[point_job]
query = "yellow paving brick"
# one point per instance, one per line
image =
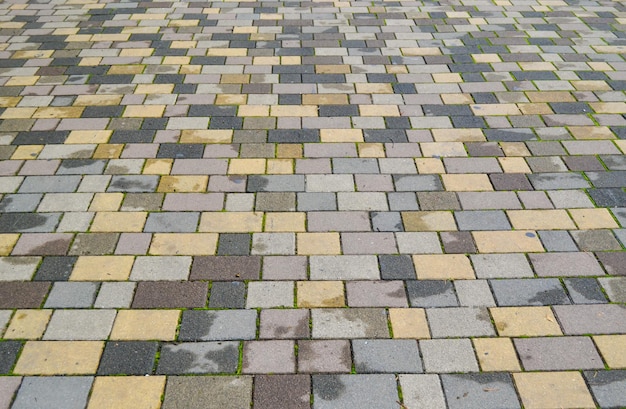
(324, 99)
(293, 110)
(514, 149)
(486, 58)
(266, 61)
(457, 99)
(108, 151)
(496, 355)
(525, 321)
(374, 88)
(514, 165)
(466, 182)
(183, 183)
(110, 37)
(154, 89)
(58, 112)
(90, 136)
(18, 113)
(537, 66)
(559, 390)
(28, 324)
(608, 107)
(442, 149)
(285, 222)
(22, 81)
(371, 150)
(118, 222)
(192, 244)
(90, 61)
(144, 111)
(447, 77)
(333, 69)
(126, 69)
(443, 267)
(290, 60)
(317, 294)
(279, 166)
(235, 79)
(591, 85)
(428, 221)
(591, 132)
(106, 202)
(289, 150)
(102, 268)
(409, 323)
(318, 243)
(507, 242)
(429, 165)
(98, 99)
(458, 135)
(613, 350)
(587, 219)
(253, 110)
(206, 136)
(231, 222)
(535, 109)
(495, 109)
(137, 392)
(540, 219)
(550, 96)
(239, 166)
(621, 144)
(143, 325)
(7, 242)
(231, 99)
(227, 52)
(341, 135)
(59, 358)
(396, 69)
(9, 102)
(27, 152)
(379, 110)
(419, 51)
(157, 166)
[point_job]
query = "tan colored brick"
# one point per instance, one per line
(144, 111)
(137, 392)
(154, 89)
(183, 183)
(294, 110)
(318, 243)
(91, 136)
(246, 166)
(58, 112)
(97, 99)
(409, 323)
(466, 182)
(587, 219)
(235, 79)
(591, 132)
(158, 166)
(379, 110)
(428, 221)
(540, 219)
(231, 222)
(279, 166)
(419, 51)
(429, 166)
(7, 242)
(333, 69)
(324, 99)
(525, 321)
(442, 149)
(563, 390)
(59, 358)
(374, 88)
(486, 58)
(317, 294)
(371, 150)
(457, 99)
(206, 136)
(27, 152)
(108, 151)
(289, 150)
(537, 66)
(231, 99)
(341, 135)
(608, 107)
(447, 77)
(126, 69)
(514, 165)
(118, 222)
(550, 96)
(192, 244)
(458, 135)
(253, 110)
(443, 267)
(507, 242)
(495, 109)
(28, 324)
(514, 149)
(621, 144)
(18, 113)
(613, 350)
(102, 268)
(285, 222)
(496, 355)
(144, 325)
(591, 85)
(106, 202)
(535, 109)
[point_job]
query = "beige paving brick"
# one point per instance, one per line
(458, 135)
(126, 69)
(507, 242)
(587, 219)
(289, 150)
(514, 165)
(246, 166)
(28, 324)
(379, 110)
(144, 111)
(18, 113)
(231, 99)
(447, 77)
(118, 222)
(613, 350)
(91, 136)
(540, 219)
(550, 96)
(428, 221)
(333, 69)
(539, 108)
(443, 267)
(420, 51)
(590, 85)
(318, 243)
(279, 166)
(374, 88)
(429, 166)
(591, 132)
(102, 268)
(192, 244)
(59, 358)
(541, 390)
(206, 136)
(514, 149)
(324, 99)
(231, 222)
(442, 149)
(525, 321)
(495, 109)
(108, 151)
(457, 99)
(466, 182)
(496, 354)
(285, 222)
(7, 242)
(58, 112)
(293, 110)
(98, 100)
(608, 107)
(341, 135)
(106, 202)
(138, 325)
(158, 166)
(409, 323)
(27, 152)
(371, 150)
(137, 392)
(183, 183)
(621, 144)
(253, 110)
(154, 89)
(318, 294)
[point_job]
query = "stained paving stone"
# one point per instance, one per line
(518, 292)
(199, 358)
(193, 392)
(44, 392)
(347, 391)
(18, 268)
(615, 288)
(324, 356)
(493, 390)
(197, 325)
(28, 222)
(614, 263)
(607, 387)
(128, 358)
(157, 294)
(585, 291)
(271, 356)
(431, 293)
(285, 391)
(386, 356)
(86, 244)
(460, 242)
(349, 323)
(284, 324)
(558, 353)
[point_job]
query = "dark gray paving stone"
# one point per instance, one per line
(557, 240)
(595, 240)
(613, 262)
(555, 181)
(68, 392)
(282, 391)
(193, 392)
(55, 268)
(606, 179)
(591, 319)
(608, 197)
(608, 387)
(585, 291)
(9, 351)
(226, 268)
(199, 325)
(480, 391)
(133, 183)
(199, 358)
(482, 220)
(128, 358)
(386, 356)
(431, 293)
(355, 391)
(49, 184)
(29, 222)
(537, 291)
(86, 244)
(558, 353)
(510, 181)
(22, 294)
(227, 295)
(393, 267)
(172, 222)
(234, 244)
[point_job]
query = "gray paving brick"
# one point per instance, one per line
(193, 392)
(422, 391)
(402, 201)
(418, 242)
(338, 221)
(49, 184)
(482, 220)
(448, 355)
(349, 323)
(349, 391)
(558, 353)
(607, 387)
(115, 295)
(71, 295)
(133, 183)
(459, 322)
(386, 221)
(69, 392)
(486, 390)
(474, 293)
(349, 267)
(431, 293)
(73, 325)
(518, 292)
(174, 222)
(488, 200)
(330, 183)
(615, 288)
(218, 325)
(227, 294)
(411, 183)
(595, 240)
(276, 183)
(355, 165)
(386, 356)
(23, 202)
(557, 240)
(511, 265)
(364, 201)
(316, 202)
(199, 358)
(565, 264)
(591, 319)
(555, 181)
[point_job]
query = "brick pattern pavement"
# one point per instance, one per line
(312, 204)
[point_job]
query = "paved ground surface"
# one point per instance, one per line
(328, 204)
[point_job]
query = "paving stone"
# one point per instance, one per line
(556, 240)
(474, 293)
(151, 268)
(220, 325)
(459, 322)
(546, 389)
(17, 294)
(44, 392)
(227, 295)
(80, 325)
(9, 351)
(418, 242)
(514, 292)
(565, 264)
(386, 356)
(274, 356)
(270, 294)
(393, 267)
(607, 387)
(614, 287)
(559, 353)
(349, 323)
(438, 201)
(18, 268)
(286, 391)
(284, 268)
(115, 295)
(226, 268)
(71, 295)
(448, 355)
(480, 390)
(555, 181)
(193, 392)
(128, 358)
(198, 358)
(376, 294)
(595, 240)
(156, 294)
(325, 356)
(8, 388)
(482, 220)
(591, 319)
(284, 324)
(172, 222)
(344, 268)
(347, 391)
(28, 222)
(431, 293)
(613, 262)
(501, 266)
(584, 291)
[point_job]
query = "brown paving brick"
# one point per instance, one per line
(17, 294)
(226, 268)
(613, 262)
(159, 294)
